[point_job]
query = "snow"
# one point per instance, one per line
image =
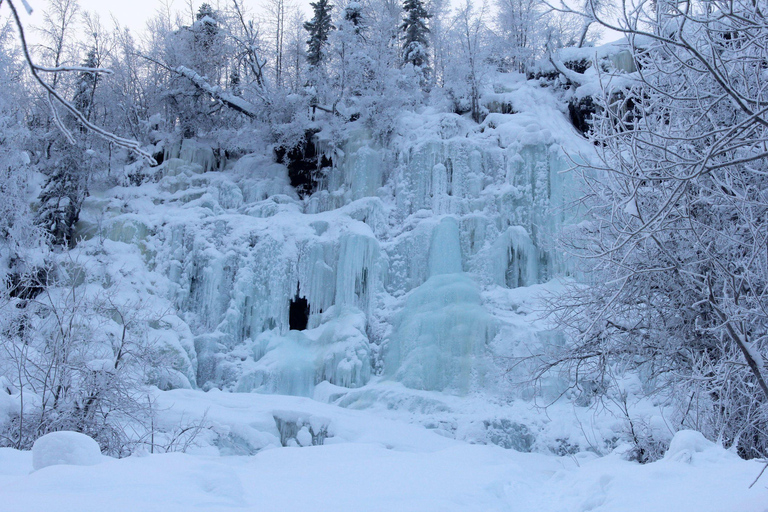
(65, 447)
(372, 464)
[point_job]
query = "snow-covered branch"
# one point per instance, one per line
(215, 92)
(128, 144)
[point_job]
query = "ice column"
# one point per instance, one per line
(445, 249)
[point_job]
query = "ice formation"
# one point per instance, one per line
(440, 339)
(383, 269)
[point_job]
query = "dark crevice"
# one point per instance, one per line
(304, 164)
(581, 112)
(298, 314)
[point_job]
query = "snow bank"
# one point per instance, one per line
(65, 447)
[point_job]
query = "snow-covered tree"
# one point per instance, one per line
(296, 50)
(85, 88)
(677, 224)
(465, 79)
(439, 29)
(415, 35)
(521, 29)
(350, 47)
(319, 28)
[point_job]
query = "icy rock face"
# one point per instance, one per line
(359, 168)
(65, 447)
(504, 187)
(240, 252)
(192, 152)
(337, 351)
(238, 287)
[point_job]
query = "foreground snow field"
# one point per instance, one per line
(371, 463)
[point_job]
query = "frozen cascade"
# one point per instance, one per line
(441, 335)
(244, 292)
(361, 166)
(193, 152)
(390, 257)
(445, 250)
(235, 273)
(514, 259)
(293, 363)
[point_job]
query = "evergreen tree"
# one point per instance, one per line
(414, 28)
(206, 27)
(86, 85)
(352, 65)
(353, 15)
(319, 29)
(62, 195)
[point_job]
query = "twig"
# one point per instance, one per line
(758, 476)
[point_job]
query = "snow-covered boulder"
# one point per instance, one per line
(65, 448)
(685, 443)
(9, 406)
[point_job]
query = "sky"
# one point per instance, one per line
(133, 13)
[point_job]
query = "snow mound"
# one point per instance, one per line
(685, 443)
(65, 447)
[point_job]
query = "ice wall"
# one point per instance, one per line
(393, 254)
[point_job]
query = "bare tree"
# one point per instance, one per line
(277, 10)
(57, 29)
(470, 29)
(677, 218)
(55, 98)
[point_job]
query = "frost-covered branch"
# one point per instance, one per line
(217, 93)
(128, 144)
(230, 100)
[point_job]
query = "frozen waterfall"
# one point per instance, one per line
(385, 265)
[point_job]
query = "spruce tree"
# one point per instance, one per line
(318, 29)
(414, 28)
(86, 85)
(206, 27)
(353, 14)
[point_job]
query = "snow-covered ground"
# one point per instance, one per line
(371, 463)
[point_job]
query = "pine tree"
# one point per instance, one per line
(319, 29)
(62, 196)
(205, 27)
(414, 28)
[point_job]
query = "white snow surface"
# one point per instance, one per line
(374, 464)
